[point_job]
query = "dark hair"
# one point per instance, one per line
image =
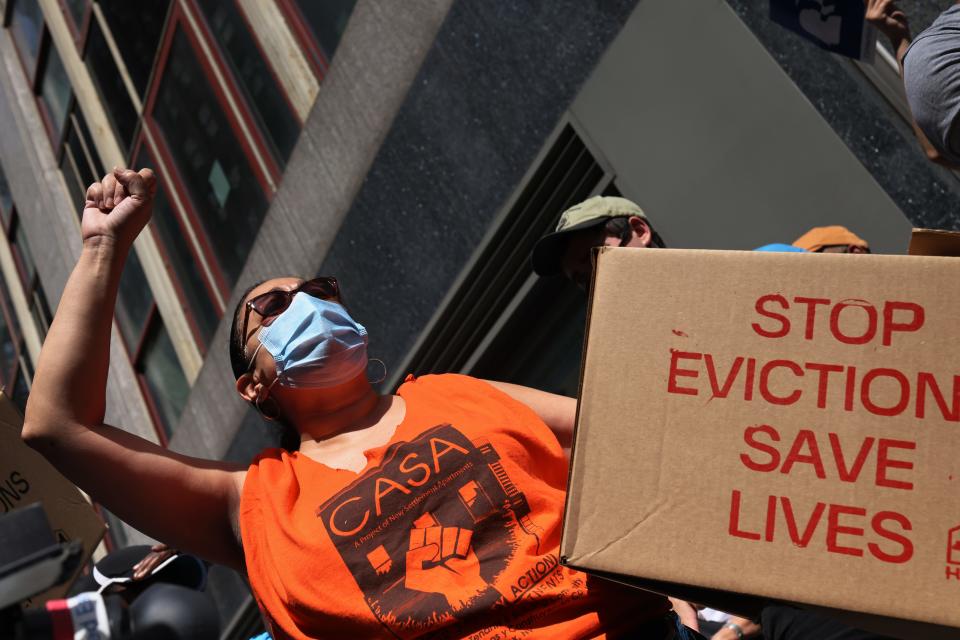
(289, 436)
(620, 227)
(238, 346)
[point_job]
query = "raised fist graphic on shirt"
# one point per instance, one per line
(441, 560)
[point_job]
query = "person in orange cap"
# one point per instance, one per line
(833, 239)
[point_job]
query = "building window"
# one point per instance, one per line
(77, 11)
(26, 25)
(110, 84)
(274, 114)
(151, 351)
(27, 270)
(15, 370)
(44, 68)
(184, 265)
(227, 198)
(320, 25)
(54, 91)
(136, 28)
(79, 161)
(6, 199)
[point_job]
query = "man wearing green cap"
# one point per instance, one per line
(595, 222)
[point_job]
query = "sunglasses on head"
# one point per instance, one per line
(272, 303)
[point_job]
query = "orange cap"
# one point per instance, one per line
(820, 237)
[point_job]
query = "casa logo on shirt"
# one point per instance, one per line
(428, 532)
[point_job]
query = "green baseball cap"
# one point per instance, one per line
(548, 252)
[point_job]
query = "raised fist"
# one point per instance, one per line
(441, 560)
(119, 206)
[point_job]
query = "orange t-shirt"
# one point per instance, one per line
(451, 530)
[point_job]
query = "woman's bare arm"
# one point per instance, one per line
(186, 502)
(558, 412)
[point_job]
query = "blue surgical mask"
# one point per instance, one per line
(315, 344)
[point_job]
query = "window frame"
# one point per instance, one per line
(134, 353)
(143, 145)
(74, 117)
(30, 73)
(7, 215)
(56, 140)
(201, 38)
(258, 126)
(79, 31)
(8, 379)
(136, 362)
(316, 57)
(33, 75)
(32, 287)
(12, 221)
(162, 150)
(34, 80)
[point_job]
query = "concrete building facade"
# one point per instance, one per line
(415, 150)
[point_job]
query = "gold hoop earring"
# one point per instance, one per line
(258, 403)
(382, 377)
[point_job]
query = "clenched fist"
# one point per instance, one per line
(441, 560)
(119, 206)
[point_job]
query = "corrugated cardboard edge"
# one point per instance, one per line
(10, 417)
(569, 530)
(749, 606)
(934, 242)
(924, 242)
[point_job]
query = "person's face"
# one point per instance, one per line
(577, 263)
(263, 360)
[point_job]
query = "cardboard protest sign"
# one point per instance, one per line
(26, 477)
(779, 425)
(838, 26)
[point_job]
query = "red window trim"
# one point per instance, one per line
(30, 73)
(175, 180)
(260, 142)
(29, 284)
(7, 215)
(143, 146)
(263, 54)
(152, 408)
(316, 58)
(161, 148)
(137, 349)
(56, 139)
(79, 31)
(8, 379)
(236, 85)
(177, 20)
(134, 353)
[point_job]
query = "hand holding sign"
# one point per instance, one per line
(889, 19)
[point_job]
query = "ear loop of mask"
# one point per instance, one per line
(382, 377)
(260, 397)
